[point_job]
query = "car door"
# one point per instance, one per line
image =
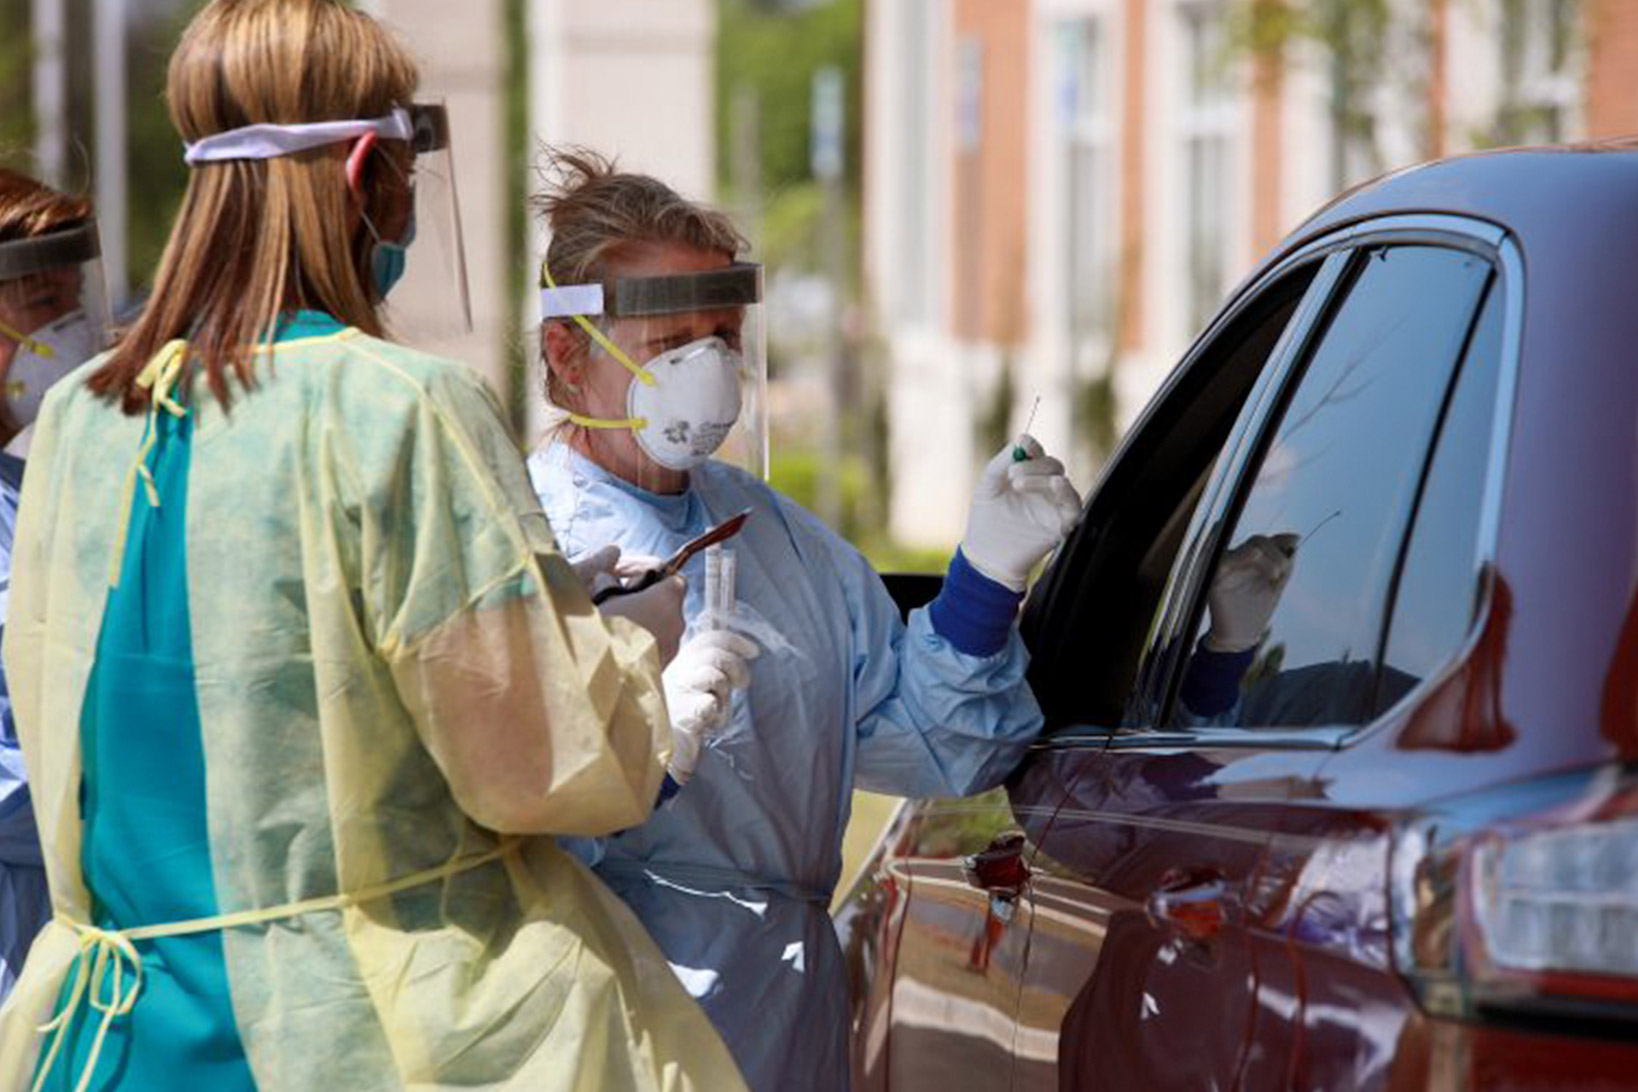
(1161, 886)
(951, 902)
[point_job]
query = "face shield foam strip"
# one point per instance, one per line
(268, 141)
(570, 300)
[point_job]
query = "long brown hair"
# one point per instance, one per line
(254, 238)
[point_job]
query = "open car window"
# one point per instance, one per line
(1090, 616)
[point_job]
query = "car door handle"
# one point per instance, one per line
(1197, 905)
(1000, 868)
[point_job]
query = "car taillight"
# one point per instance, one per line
(1563, 900)
(1525, 899)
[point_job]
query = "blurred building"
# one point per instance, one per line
(461, 50)
(1059, 193)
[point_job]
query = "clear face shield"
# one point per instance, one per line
(418, 254)
(53, 315)
(656, 374)
(414, 252)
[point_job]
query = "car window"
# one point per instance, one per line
(1088, 617)
(1438, 595)
(1329, 502)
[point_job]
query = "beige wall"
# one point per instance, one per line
(631, 79)
(462, 60)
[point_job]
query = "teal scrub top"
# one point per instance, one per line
(146, 856)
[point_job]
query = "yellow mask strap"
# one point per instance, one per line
(39, 348)
(609, 422)
(643, 376)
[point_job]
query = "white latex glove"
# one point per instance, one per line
(1246, 589)
(698, 687)
(1020, 512)
(658, 609)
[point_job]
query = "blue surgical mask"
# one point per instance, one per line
(387, 263)
(389, 260)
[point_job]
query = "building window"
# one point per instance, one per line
(1538, 89)
(1207, 120)
(1085, 133)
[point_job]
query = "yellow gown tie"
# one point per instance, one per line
(159, 377)
(102, 950)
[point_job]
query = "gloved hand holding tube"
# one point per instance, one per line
(699, 689)
(1245, 590)
(1022, 509)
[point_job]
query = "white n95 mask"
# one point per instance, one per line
(682, 404)
(42, 358)
(692, 405)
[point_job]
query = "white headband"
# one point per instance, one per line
(270, 141)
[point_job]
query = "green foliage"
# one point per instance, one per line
(519, 278)
(16, 111)
(887, 556)
(1095, 414)
(795, 473)
(993, 427)
(775, 49)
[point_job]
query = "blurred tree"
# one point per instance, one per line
(1371, 45)
(158, 176)
(16, 106)
(1354, 36)
(773, 48)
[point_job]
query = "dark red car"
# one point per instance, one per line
(1403, 852)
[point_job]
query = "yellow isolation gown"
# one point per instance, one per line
(394, 675)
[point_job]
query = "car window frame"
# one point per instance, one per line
(1048, 611)
(1183, 601)
(1507, 281)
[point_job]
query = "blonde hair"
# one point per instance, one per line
(254, 237)
(595, 212)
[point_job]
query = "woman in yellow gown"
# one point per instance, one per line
(303, 685)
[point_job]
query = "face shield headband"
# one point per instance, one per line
(431, 300)
(424, 127)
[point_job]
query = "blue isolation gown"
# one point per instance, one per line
(733, 877)
(25, 901)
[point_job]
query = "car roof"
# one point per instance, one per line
(1525, 190)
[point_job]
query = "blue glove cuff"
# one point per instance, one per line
(1212, 684)
(973, 612)
(668, 789)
